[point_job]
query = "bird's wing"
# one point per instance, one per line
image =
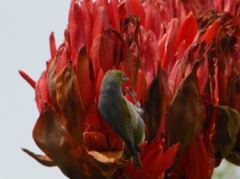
(137, 123)
(128, 130)
(125, 127)
(134, 115)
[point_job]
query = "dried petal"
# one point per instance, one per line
(186, 112)
(68, 100)
(67, 93)
(155, 106)
(106, 157)
(43, 159)
(95, 141)
(227, 129)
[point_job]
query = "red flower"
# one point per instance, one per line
(182, 59)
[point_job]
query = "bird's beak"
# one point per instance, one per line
(125, 79)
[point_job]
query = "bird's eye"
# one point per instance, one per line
(124, 78)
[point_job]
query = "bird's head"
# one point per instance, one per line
(116, 76)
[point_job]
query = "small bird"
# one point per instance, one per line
(121, 115)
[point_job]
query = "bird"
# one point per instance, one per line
(122, 115)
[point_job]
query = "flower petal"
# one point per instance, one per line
(84, 72)
(68, 101)
(28, 79)
(227, 129)
(101, 21)
(168, 60)
(52, 42)
(211, 32)
(43, 159)
(75, 28)
(62, 58)
(107, 50)
(189, 22)
(135, 7)
(42, 92)
(188, 104)
(155, 106)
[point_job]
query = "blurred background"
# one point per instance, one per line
(24, 30)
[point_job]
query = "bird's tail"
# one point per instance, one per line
(136, 160)
(130, 151)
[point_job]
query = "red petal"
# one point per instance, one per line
(114, 15)
(218, 5)
(169, 157)
(168, 60)
(184, 33)
(62, 58)
(75, 28)
(230, 6)
(135, 7)
(161, 46)
(87, 21)
(211, 32)
(175, 77)
(92, 121)
(197, 167)
(103, 51)
(153, 20)
(25, 76)
(52, 43)
(85, 78)
(42, 92)
(149, 56)
(154, 161)
(122, 11)
(141, 88)
(101, 21)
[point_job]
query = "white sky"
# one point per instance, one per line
(24, 29)
(25, 26)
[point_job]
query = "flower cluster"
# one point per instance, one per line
(183, 61)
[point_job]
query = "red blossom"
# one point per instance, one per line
(182, 59)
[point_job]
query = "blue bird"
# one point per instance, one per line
(121, 115)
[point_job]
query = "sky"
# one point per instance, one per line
(25, 26)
